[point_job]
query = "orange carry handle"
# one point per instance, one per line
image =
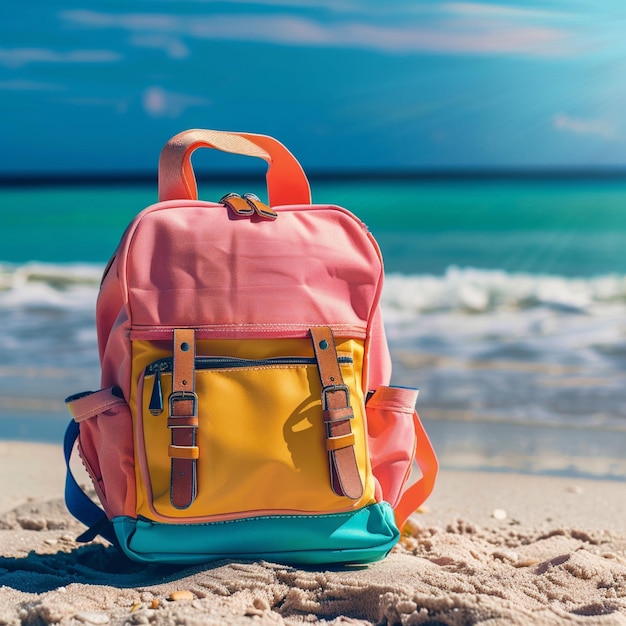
(286, 181)
(417, 493)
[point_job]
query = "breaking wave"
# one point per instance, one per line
(484, 291)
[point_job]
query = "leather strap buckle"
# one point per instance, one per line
(183, 396)
(333, 389)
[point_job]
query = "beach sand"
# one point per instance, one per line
(487, 548)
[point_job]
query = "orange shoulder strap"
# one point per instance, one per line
(417, 493)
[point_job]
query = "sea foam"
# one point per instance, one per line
(483, 291)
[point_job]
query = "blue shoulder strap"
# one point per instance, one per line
(79, 504)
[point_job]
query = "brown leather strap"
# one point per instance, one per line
(344, 471)
(183, 420)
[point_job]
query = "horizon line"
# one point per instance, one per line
(56, 179)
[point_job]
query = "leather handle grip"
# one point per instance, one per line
(286, 181)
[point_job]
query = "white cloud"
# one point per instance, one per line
(146, 22)
(332, 5)
(483, 9)
(467, 35)
(584, 126)
(17, 57)
(479, 39)
(158, 102)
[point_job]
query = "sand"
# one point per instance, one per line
(486, 549)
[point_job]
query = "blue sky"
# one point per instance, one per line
(346, 85)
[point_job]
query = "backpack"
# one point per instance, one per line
(245, 409)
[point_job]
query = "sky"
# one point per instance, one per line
(347, 85)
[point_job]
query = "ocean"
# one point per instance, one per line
(504, 303)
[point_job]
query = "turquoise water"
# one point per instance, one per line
(569, 228)
(504, 302)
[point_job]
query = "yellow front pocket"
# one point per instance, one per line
(261, 438)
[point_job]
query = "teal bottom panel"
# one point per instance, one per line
(361, 536)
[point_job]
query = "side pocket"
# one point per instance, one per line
(105, 444)
(392, 440)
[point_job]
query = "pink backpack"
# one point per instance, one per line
(245, 409)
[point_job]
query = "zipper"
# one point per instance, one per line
(165, 365)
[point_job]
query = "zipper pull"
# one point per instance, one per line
(261, 209)
(156, 399)
(237, 205)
